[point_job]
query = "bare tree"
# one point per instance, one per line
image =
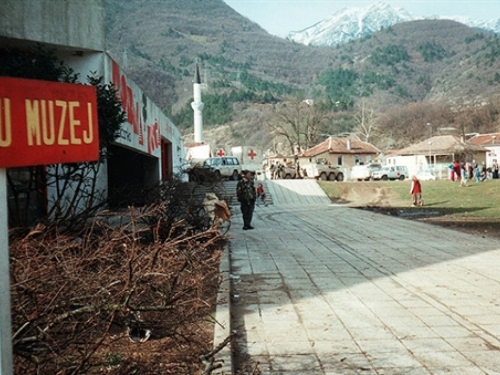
(366, 120)
(479, 117)
(299, 123)
(401, 126)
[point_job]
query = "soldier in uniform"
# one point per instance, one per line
(246, 194)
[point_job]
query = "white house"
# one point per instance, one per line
(435, 155)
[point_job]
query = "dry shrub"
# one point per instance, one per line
(78, 301)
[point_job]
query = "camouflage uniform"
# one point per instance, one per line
(246, 193)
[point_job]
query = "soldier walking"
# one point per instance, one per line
(246, 194)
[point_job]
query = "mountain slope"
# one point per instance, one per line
(353, 23)
(246, 71)
(446, 60)
(158, 43)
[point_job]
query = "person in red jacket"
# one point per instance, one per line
(416, 192)
(457, 169)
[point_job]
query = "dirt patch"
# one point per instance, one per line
(371, 196)
(364, 194)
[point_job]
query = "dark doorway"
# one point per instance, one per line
(166, 160)
(131, 176)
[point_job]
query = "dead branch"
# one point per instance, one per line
(77, 298)
(209, 358)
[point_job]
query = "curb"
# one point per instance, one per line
(222, 327)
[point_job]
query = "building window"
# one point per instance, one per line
(339, 160)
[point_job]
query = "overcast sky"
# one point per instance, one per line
(279, 17)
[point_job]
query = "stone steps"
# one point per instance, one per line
(227, 191)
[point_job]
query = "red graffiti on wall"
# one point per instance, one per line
(127, 99)
(154, 137)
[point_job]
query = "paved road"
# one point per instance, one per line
(324, 289)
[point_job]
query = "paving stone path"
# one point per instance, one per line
(325, 289)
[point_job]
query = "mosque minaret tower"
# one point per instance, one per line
(197, 106)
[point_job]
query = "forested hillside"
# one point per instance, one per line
(397, 79)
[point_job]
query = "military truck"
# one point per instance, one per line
(289, 172)
(286, 172)
(322, 171)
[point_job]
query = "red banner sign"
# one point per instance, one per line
(47, 122)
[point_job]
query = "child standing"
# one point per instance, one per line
(416, 192)
(261, 194)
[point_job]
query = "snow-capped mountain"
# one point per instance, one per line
(491, 25)
(353, 23)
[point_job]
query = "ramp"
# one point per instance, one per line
(297, 193)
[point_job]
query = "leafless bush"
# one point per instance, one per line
(105, 301)
(175, 200)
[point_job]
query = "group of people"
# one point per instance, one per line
(458, 172)
(248, 195)
(467, 171)
(276, 171)
(281, 170)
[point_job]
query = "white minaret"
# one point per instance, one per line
(197, 106)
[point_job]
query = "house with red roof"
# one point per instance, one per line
(491, 142)
(343, 152)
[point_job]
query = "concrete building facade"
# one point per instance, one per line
(149, 147)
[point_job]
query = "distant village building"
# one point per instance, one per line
(344, 152)
(435, 154)
(491, 142)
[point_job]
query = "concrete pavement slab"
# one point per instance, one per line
(324, 289)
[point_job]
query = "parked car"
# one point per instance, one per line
(225, 166)
(364, 172)
(391, 172)
(426, 176)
